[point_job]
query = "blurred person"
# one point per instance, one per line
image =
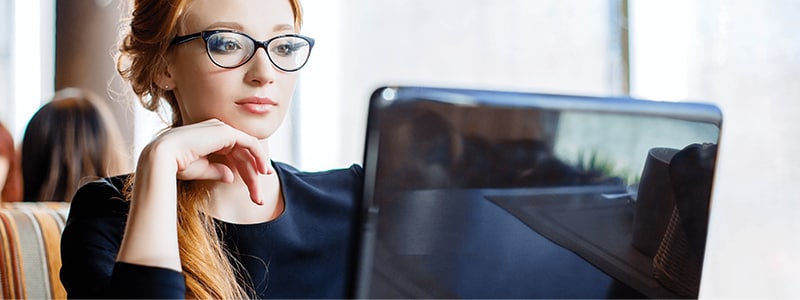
(422, 150)
(72, 138)
(10, 180)
(207, 214)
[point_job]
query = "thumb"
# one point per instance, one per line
(207, 171)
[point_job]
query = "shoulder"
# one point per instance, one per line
(354, 173)
(325, 198)
(343, 180)
(101, 197)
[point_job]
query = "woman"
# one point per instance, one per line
(245, 227)
(10, 180)
(72, 138)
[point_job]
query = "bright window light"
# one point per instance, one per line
(26, 60)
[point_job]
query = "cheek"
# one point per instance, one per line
(200, 104)
(201, 90)
(287, 84)
(193, 71)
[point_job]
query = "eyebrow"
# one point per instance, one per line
(239, 27)
(229, 25)
(283, 27)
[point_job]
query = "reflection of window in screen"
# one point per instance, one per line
(619, 143)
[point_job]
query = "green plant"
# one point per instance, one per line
(595, 165)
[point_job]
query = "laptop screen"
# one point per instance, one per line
(493, 194)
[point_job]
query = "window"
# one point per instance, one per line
(27, 48)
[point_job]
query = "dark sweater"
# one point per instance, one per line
(301, 254)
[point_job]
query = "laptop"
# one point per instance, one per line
(502, 194)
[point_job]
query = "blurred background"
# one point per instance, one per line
(742, 55)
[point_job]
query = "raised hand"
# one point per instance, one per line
(209, 150)
(213, 150)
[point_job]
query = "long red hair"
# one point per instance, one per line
(206, 267)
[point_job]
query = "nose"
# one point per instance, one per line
(260, 70)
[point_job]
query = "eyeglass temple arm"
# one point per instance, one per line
(185, 38)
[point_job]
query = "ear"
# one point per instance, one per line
(164, 79)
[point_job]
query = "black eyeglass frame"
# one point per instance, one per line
(205, 35)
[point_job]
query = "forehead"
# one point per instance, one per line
(256, 17)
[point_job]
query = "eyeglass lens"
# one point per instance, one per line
(231, 49)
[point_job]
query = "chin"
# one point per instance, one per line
(258, 128)
(262, 132)
(259, 134)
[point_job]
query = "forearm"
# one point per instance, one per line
(90, 245)
(151, 237)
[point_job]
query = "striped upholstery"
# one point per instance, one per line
(30, 255)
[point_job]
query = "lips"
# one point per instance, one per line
(257, 100)
(257, 105)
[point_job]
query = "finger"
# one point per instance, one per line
(245, 141)
(248, 149)
(250, 178)
(203, 170)
(219, 172)
(256, 153)
(244, 163)
(194, 138)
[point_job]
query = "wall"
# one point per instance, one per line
(86, 37)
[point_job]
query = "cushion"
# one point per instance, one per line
(30, 255)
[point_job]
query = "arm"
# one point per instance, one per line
(149, 239)
(89, 246)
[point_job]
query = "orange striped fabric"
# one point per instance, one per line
(30, 256)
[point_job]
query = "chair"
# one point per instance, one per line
(30, 254)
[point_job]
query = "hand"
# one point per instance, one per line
(213, 150)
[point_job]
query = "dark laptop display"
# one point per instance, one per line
(490, 194)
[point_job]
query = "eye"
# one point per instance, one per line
(222, 44)
(288, 47)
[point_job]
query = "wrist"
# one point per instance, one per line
(157, 156)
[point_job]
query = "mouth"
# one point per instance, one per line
(257, 105)
(257, 100)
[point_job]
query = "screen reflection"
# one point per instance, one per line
(490, 200)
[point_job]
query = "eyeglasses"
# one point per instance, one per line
(230, 49)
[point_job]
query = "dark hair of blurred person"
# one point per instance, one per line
(72, 138)
(10, 180)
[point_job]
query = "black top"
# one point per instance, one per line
(301, 254)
